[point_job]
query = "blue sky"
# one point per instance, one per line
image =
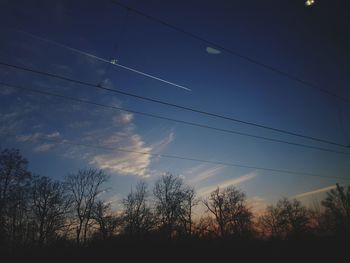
(306, 42)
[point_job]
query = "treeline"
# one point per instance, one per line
(37, 211)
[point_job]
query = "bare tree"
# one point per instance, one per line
(189, 202)
(230, 210)
(14, 179)
(49, 207)
(286, 218)
(296, 217)
(272, 222)
(317, 218)
(84, 188)
(138, 216)
(170, 198)
(107, 222)
(337, 204)
(206, 227)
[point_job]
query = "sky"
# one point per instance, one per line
(309, 42)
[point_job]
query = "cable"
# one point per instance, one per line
(172, 119)
(139, 72)
(122, 34)
(230, 51)
(179, 157)
(341, 122)
(98, 86)
(114, 63)
(116, 48)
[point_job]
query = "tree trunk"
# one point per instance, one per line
(79, 231)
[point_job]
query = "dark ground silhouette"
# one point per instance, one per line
(45, 219)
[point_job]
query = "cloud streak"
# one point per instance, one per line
(231, 182)
(130, 163)
(126, 163)
(112, 62)
(34, 137)
(206, 174)
(108, 129)
(44, 147)
(318, 191)
(161, 144)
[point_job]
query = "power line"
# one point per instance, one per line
(172, 119)
(165, 81)
(99, 86)
(180, 157)
(122, 34)
(230, 51)
(162, 80)
(114, 63)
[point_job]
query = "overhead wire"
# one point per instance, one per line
(230, 51)
(190, 123)
(185, 158)
(110, 62)
(99, 86)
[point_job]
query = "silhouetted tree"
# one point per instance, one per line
(285, 219)
(337, 204)
(230, 210)
(84, 188)
(189, 202)
(14, 179)
(41, 210)
(272, 222)
(138, 217)
(205, 227)
(106, 221)
(49, 207)
(318, 219)
(170, 199)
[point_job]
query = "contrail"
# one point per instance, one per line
(100, 59)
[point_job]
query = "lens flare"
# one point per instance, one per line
(310, 2)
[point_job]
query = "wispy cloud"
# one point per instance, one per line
(89, 126)
(231, 182)
(35, 137)
(130, 163)
(161, 144)
(122, 162)
(107, 83)
(44, 147)
(205, 174)
(196, 169)
(126, 163)
(10, 127)
(123, 118)
(317, 191)
(8, 116)
(53, 135)
(29, 137)
(15, 117)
